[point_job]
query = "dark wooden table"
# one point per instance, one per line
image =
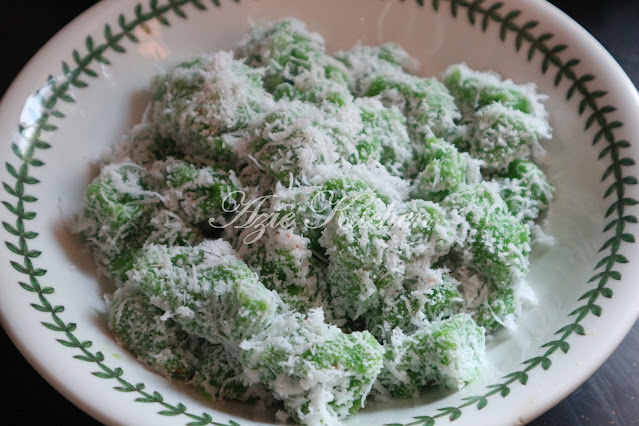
(609, 397)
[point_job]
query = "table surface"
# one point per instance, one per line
(610, 396)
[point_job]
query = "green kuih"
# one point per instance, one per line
(443, 170)
(363, 62)
(308, 206)
(429, 295)
(117, 207)
(207, 289)
(294, 140)
(429, 107)
(198, 103)
(312, 207)
(158, 342)
(220, 375)
(473, 90)
(144, 146)
(526, 190)
(500, 307)
(291, 55)
(122, 213)
(469, 205)
(365, 255)
(198, 194)
(449, 353)
(285, 264)
(500, 250)
(163, 227)
(428, 232)
(163, 345)
(491, 240)
(383, 138)
(502, 135)
(322, 92)
(320, 373)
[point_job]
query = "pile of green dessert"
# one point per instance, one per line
(287, 225)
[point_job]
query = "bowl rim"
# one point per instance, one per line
(510, 23)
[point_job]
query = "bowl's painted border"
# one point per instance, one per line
(480, 13)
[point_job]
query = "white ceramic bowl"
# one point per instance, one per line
(101, 65)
